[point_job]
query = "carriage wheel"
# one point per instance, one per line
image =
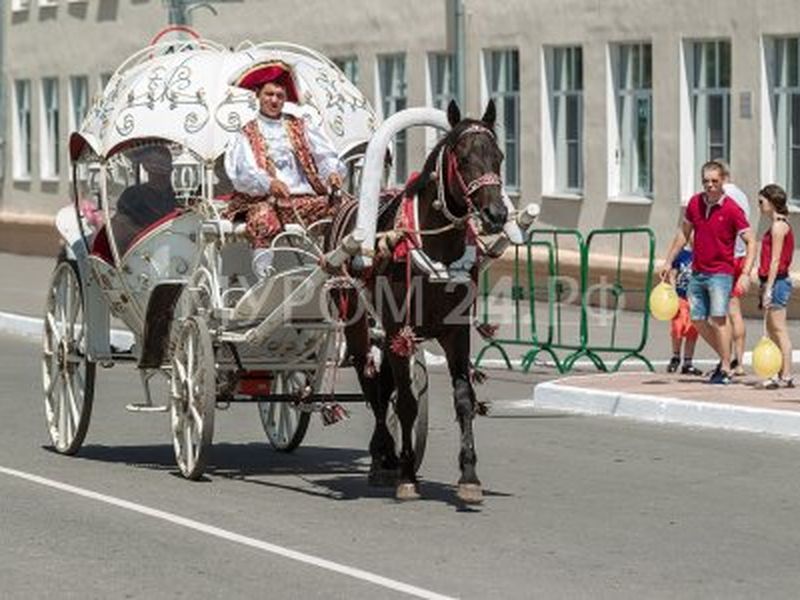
(419, 435)
(67, 373)
(193, 397)
(285, 423)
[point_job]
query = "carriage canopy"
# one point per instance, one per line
(186, 93)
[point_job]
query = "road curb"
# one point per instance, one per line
(659, 409)
(31, 327)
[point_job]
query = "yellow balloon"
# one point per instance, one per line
(767, 359)
(663, 302)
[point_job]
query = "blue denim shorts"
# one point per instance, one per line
(781, 292)
(709, 295)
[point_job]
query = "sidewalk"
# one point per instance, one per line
(680, 399)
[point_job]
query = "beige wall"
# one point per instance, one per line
(92, 38)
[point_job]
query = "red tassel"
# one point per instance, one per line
(404, 343)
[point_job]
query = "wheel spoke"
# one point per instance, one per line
(48, 390)
(69, 304)
(74, 301)
(180, 371)
(61, 301)
(197, 418)
(190, 358)
(63, 416)
(72, 403)
(189, 446)
(286, 423)
(52, 327)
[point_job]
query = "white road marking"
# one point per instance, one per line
(231, 536)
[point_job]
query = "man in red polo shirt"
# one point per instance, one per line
(716, 221)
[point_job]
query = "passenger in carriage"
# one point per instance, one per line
(142, 204)
(282, 168)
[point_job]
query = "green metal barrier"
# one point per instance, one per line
(560, 300)
(519, 295)
(554, 338)
(618, 294)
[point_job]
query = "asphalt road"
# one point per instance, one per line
(575, 507)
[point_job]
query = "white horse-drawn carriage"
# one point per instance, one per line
(147, 251)
(166, 265)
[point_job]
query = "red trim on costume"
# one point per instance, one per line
(296, 131)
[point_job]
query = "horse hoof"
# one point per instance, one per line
(470, 493)
(406, 491)
(382, 478)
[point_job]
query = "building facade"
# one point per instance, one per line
(605, 109)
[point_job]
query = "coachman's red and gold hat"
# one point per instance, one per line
(272, 72)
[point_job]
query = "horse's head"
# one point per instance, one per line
(472, 160)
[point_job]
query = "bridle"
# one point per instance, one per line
(451, 176)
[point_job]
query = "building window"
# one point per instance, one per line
(50, 131)
(22, 129)
(632, 69)
(441, 89)
(392, 92)
(784, 102)
(104, 79)
(565, 85)
(79, 100)
(710, 100)
(441, 67)
(349, 66)
(502, 77)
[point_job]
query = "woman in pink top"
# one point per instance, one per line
(777, 248)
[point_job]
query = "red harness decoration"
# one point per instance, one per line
(406, 222)
(404, 342)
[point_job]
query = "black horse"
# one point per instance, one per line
(459, 185)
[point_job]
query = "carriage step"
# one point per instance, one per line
(146, 408)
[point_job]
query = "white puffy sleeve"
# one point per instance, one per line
(240, 164)
(325, 156)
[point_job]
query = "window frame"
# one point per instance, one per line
(558, 102)
(76, 117)
(348, 64)
(626, 96)
(22, 132)
(706, 92)
(508, 96)
(390, 102)
(50, 129)
(783, 104)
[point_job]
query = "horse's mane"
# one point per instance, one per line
(416, 186)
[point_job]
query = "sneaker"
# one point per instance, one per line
(673, 365)
(715, 370)
(720, 377)
(774, 383)
(690, 369)
(736, 368)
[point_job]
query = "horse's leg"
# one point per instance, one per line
(384, 467)
(407, 414)
(377, 388)
(456, 347)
